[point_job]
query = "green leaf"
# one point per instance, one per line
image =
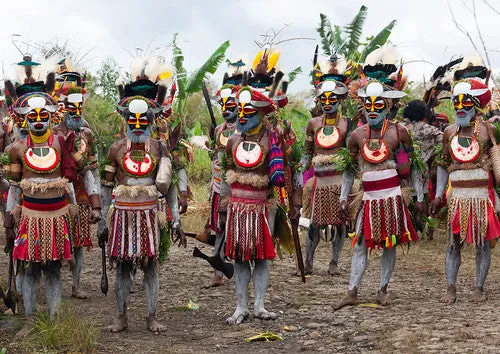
(197, 130)
(178, 62)
(354, 30)
(293, 74)
(196, 79)
(378, 41)
(325, 33)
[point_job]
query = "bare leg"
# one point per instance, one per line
(31, 287)
(151, 288)
(241, 279)
(359, 263)
(76, 292)
(260, 281)
(20, 287)
(452, 265)
(218, 277)
(387, 263)
(53, 286)
(123, 284)
(312, 240)
(337, 245)
(483, 261)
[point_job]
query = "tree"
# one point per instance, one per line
(106, 79)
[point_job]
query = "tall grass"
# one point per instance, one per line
(68, 332)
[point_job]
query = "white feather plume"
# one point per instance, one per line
(326, 66)
(384, 55)
(471, 59)
(38, 72)
(151, 68)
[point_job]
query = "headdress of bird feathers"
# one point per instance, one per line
(235, 71)
(265, 73)
(381, 65)
(33, 77)
(70, 79)
(151, 79)
(332, 68)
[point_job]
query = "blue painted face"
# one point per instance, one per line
(38, 120)
(329, 102)
(464, 110)
(248, 117)
(73, 121)
(375, 110)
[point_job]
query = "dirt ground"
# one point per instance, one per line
(415, 322)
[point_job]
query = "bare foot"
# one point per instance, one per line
(478, 295)
(217, 280)
(351, 299)
(238, 316)
(78, 293)
(451, 295)
(308, 268)
(263, 314)
(383, 298)
(120, 324)
(333, 268)
(153, 325)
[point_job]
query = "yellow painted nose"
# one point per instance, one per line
(137, 125)
(460, 99)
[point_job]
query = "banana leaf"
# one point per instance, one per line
(178, 62)
(196, 79)
(293, 74)
(354, 30)
(378, 40)
(325, 33)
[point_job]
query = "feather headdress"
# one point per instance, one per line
(471, 67)
(332, 68)
(235, 71)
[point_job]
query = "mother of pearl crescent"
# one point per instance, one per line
(465, 149)
(41, 159)
(327, 137)
(375, 150)
(248, 154)
(224, 136)
(138, 168)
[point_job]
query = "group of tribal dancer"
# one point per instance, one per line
(362, 174)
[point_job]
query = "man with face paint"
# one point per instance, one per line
(472, 206)
(38, 184)
(325, 135)
(87, 184)
(250, 213)
(219, 189)
(383, 219)
(139, 170)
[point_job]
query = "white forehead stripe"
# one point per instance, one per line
(36, 102)
(75, 98)
(138, 106)
(245, 97)
(374, 89)
(225, 93)
(462, 88)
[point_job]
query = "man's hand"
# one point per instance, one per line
(421, 208)
(179, 235)
(344, 211)
(435, 206)
(183, 203)
(95, 215)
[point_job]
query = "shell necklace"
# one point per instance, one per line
(465, 148)
(375, 150)
(43, 159)
(138, 168)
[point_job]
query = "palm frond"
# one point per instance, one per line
(326, 34)
(178, 63)
(195, 80)
(378, 41)
(354, 30)
(293, 74)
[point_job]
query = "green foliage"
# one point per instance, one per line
(344, 161)
(196, 79)
(378, 40)
(106, 79)
(200, 171)
(354, 30)
(293, 74)
(165, 243)
(67, 332)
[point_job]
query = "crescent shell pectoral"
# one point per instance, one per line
(465, 153)
(327, 137)
(377, 155)
(248, 154)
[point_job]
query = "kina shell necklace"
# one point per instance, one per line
(138, 168)
(465, 148)
(227, 131)
(375, 150)
(328, 136)
(248, 154)
(43, 159)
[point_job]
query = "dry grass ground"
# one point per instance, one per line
(416, 322)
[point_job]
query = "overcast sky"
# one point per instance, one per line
(424, 30)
